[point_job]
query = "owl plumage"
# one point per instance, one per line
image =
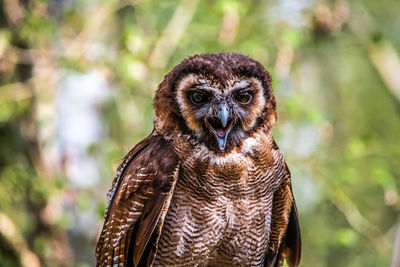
(209, 186)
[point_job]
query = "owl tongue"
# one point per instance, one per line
(220, 132)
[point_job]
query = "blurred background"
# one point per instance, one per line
(77, 78)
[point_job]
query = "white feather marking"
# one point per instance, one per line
(180, 249)
(113, 190)
(230, 158)
(136, 213)
(116, 240)
(124, 226)
(139, 204)
(249, 144)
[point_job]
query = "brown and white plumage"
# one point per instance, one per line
(209, 186)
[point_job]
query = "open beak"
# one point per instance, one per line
(221, 125)
(223, 114)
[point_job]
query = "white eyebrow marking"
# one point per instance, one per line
(240, 85)
(236, 86)
(208, 88)
(203, 81)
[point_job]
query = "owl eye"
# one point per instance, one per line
(198, 98)
(243, 97)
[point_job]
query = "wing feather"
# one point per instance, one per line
(147, 224)
(292, 241)
(137, 201)
(285, 238)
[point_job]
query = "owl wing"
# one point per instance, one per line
(285, 238)
(291, 248)
(138, 202)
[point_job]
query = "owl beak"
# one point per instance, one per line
(223, 114)
(221, 125)
(222, 133)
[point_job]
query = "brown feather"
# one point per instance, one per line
(285, 242)
(137, 203)
(292, 241)
(148, 221)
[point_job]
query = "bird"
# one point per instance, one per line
(209, 186)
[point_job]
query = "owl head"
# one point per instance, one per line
(215, 99)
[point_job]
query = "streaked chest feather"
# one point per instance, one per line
(221, 210)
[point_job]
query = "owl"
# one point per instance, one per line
(209, 186)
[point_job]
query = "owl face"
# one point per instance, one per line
(220, 112)
(216, 100)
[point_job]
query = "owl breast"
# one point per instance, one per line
(220, 212)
